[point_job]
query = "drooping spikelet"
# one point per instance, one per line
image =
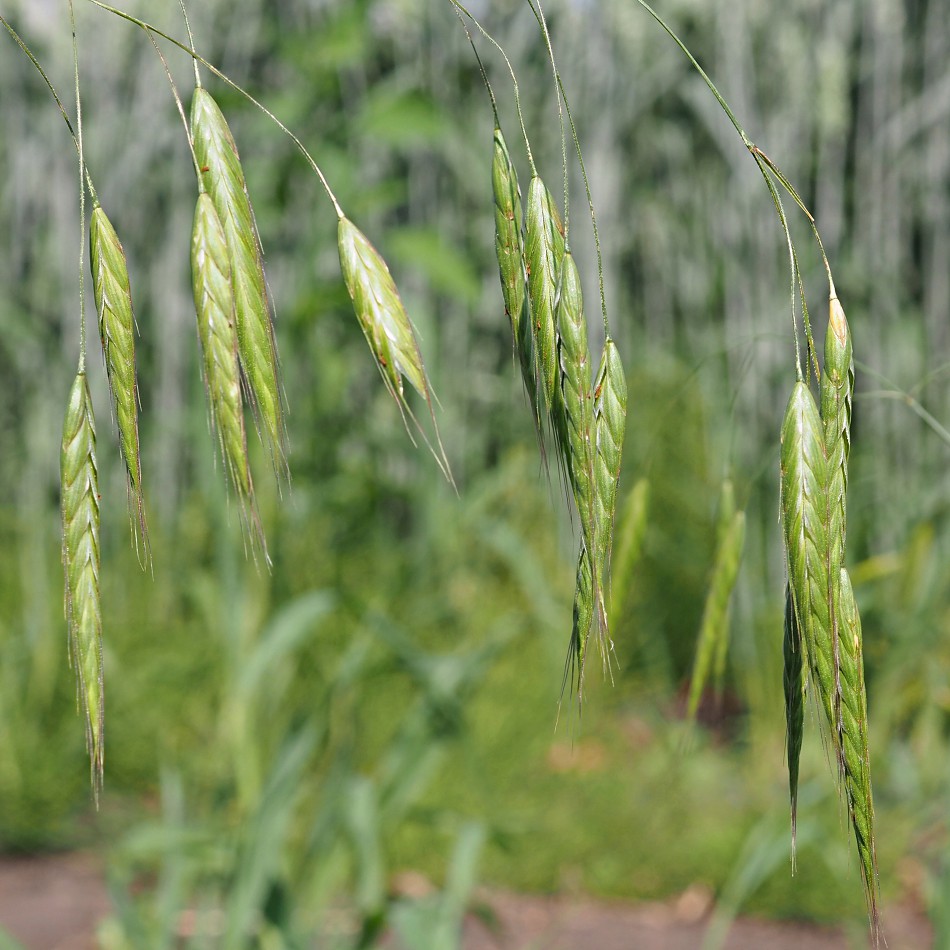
(610, 419)
(795, 682)
(511, 268)
(80, 510)
(110, 280)
(217, 334)
(385, 323)
(507, 196)
(574, 425)
(857, 760)
(544, 250)
(223, 180)
(849, 703)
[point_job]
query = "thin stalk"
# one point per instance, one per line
(760, 157)
(224, 78)
(181, 108)
(481, 69)
(59, 102)
(902, 395)
(812, 353)
(191, 41)
(543, 23)
(514, 80)
(82, 195)
(793, 270)
(712, 86)
(590, 201)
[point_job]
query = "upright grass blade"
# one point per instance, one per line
(714, 630)
(223, 179)
(386, 325)
(80, 509)
(630, 534)
(110, 279)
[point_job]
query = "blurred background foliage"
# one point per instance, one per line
(281, 744)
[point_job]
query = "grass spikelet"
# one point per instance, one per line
(850, 703)
(837, 387)
(583, 617)
(508, 231)
(544, 250)
(835, 412)
(385, 324)
(805, 522)
(110, 276)
(836, 392)
(795, 685)
(714, 629)
(223, 179)
(857, 758)
(511, 267)
(575, 423)
(217, 334)
(610, 419)
(80, 509)
(630, 534)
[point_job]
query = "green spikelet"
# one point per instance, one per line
(386, 324)
(508, 218)
(857, 761)
(836, 421)
(223, 180)
(795, 684)
(217, 334)
(544, 249)
(110, 280)
(80, 509)
(508, 231)
(610, 419)
(804, 516)
(575, 425)
(380, 312)
(583, 616)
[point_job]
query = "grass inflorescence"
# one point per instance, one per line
(823, 641)
(586, 417)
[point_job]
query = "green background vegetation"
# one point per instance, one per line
(385, 698)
